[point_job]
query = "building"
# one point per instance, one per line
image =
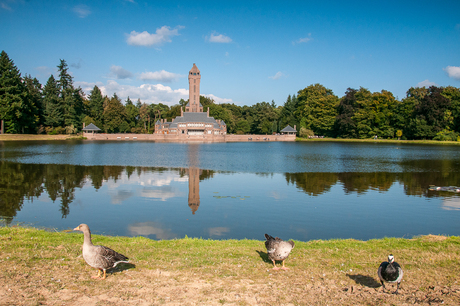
(192, 121)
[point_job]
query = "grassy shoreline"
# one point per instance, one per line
(38, 266)
(392, 141)
(28, 137)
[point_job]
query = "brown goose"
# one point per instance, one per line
(98, 256)
(278, 249)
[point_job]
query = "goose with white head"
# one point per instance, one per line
(391, 272)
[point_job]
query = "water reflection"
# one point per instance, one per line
(20, 182)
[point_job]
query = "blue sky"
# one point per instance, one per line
(247, 51)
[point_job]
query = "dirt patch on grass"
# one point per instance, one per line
(434, 238)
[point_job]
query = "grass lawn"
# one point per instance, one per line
(45, 267)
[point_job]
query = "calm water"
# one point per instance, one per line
(301, 191)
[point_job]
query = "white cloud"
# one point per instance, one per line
(119, 72)
(148, 93)
(161, 36)
(426, 83)
(218, 100)
(453, 72)
(303, 40)
(277, 76)
(219, 38)
(82, 10)
(5, 6)
(44, 72)
(160, 76)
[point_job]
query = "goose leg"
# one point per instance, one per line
(383, 285)
(98, 274)
(104, 275)
(284, 268)
(397, 288)
(274, 266)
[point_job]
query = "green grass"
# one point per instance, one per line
(395, 141)
(35, 258)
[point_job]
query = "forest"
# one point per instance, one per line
(28, 107)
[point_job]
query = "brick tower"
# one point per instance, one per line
(194, 78)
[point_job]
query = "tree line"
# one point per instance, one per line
(58, 107)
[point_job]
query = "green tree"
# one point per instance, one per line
(432, 115)
(114, 116)
(345, 126)
(13, 95)
(317, 109)
(96, 106)
(243, 127)
(221, 113)
(71, 98)
(453, 94)
(33, 106)
(206, 102)
(288, 111)
(53, 108)
(144, 115)
(132, 113)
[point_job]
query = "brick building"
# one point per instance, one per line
(192, 121)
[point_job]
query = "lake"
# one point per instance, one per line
(301, 191)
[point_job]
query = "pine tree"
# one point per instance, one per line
(12, 95)
(96, 106)
(71, 98)
(33, 105)
(53, 108)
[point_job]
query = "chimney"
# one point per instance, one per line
(294, 127)
(181, 112)
(208, 111)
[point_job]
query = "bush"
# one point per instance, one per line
(304, 132)
(70, 129)
(445, 135)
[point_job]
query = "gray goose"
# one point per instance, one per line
(390, 271)
(98, 256)
(278, 249)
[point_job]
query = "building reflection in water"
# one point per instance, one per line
(193, 188)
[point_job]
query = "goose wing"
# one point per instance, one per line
(107, 257)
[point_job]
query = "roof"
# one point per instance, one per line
(194, 117)
(288, 129)
(91, 127)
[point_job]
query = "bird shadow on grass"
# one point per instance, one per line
(121, 267)
(364, 280)
(264, 256)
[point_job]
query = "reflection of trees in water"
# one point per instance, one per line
(415, 183)
(18, 181)
(361, 182)
(312, 183)
(28, 181)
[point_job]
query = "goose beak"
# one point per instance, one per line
(77, 228)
